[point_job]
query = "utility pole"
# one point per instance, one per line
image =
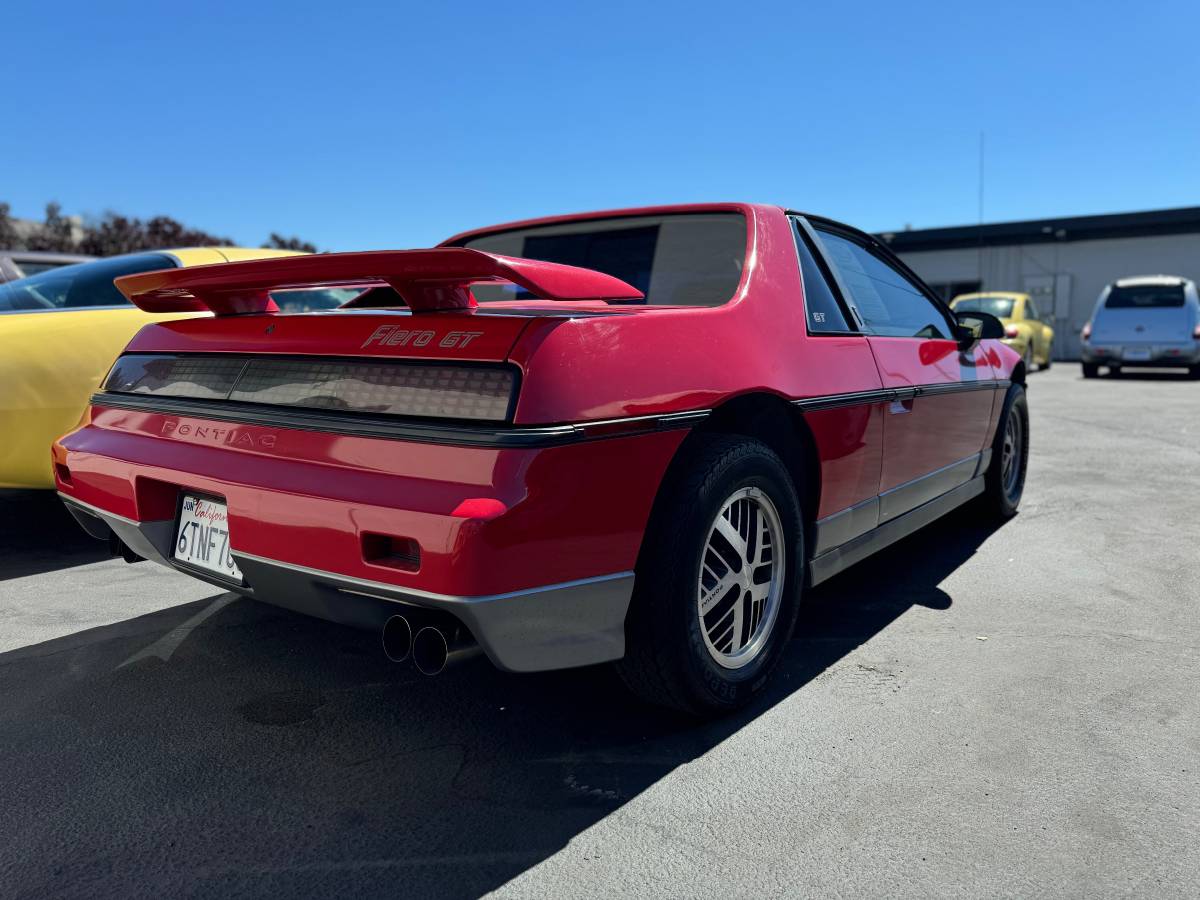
(980, 231)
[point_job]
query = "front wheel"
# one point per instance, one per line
(718, 579)
(1004, 482)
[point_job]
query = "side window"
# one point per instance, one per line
(1031, 310)
(890, 304)
(821, 307)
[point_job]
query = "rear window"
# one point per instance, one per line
(1000, 307)
(683, 259)
(77, 287)
(1144, 296)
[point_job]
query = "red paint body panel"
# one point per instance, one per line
(337, 333)
(308, 497)
(850, 446)
(932, 431)
(568, 512)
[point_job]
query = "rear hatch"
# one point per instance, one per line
(1151, 313)
(412, 345)
(443, 367)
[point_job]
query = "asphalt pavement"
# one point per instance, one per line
(979, 710)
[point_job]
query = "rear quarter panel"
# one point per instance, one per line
(663, 360)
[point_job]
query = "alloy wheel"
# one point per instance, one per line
(1010, 457)
(741, 580)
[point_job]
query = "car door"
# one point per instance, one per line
(939, 413)
(844, 402)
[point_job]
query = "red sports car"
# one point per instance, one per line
(632, 436)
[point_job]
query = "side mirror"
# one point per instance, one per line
(977, 326)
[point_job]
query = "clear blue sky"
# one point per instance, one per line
(396, 125)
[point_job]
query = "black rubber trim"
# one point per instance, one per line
(533, 436)
(886, 395)
(389, 428)
(840, 558)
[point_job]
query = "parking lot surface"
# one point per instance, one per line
(984, 710)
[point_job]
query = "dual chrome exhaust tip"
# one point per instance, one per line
(433, 643)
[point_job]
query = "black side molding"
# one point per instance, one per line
(887, 395)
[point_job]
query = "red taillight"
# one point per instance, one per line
(1087, 331)
(1012, 331)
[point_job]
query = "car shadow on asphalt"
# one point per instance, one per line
(225, 747)
(37, 535)
(1150, 375)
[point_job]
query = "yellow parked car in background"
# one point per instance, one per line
(1025, 329)
(60, 331)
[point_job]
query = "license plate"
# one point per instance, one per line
(202, 537)
(1136, 354)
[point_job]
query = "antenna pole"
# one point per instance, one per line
(980, 230)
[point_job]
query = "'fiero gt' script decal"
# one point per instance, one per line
(394, 336)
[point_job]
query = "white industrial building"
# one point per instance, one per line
(1063, 263)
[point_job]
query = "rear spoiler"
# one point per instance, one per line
(423, 279)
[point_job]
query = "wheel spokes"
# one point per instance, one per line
(740, 578)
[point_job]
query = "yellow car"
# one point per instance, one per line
(61, 329)
(1024, 328)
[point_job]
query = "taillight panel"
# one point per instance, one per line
(379, 387)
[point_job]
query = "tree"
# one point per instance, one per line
(111, 235)
(163, 231)
(55, 233)
(9, 239)
(279, 242)
(114, 233)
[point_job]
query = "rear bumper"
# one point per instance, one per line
(1156, 355)
(533, 550)
(552, 626)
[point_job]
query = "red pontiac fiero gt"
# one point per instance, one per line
(630, 436)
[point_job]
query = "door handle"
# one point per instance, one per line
(899, 407)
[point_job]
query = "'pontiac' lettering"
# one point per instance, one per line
(231, 436)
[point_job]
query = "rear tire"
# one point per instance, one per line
(710, 615)
(1090, 370)
(1004, 482)
(1194, 371)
